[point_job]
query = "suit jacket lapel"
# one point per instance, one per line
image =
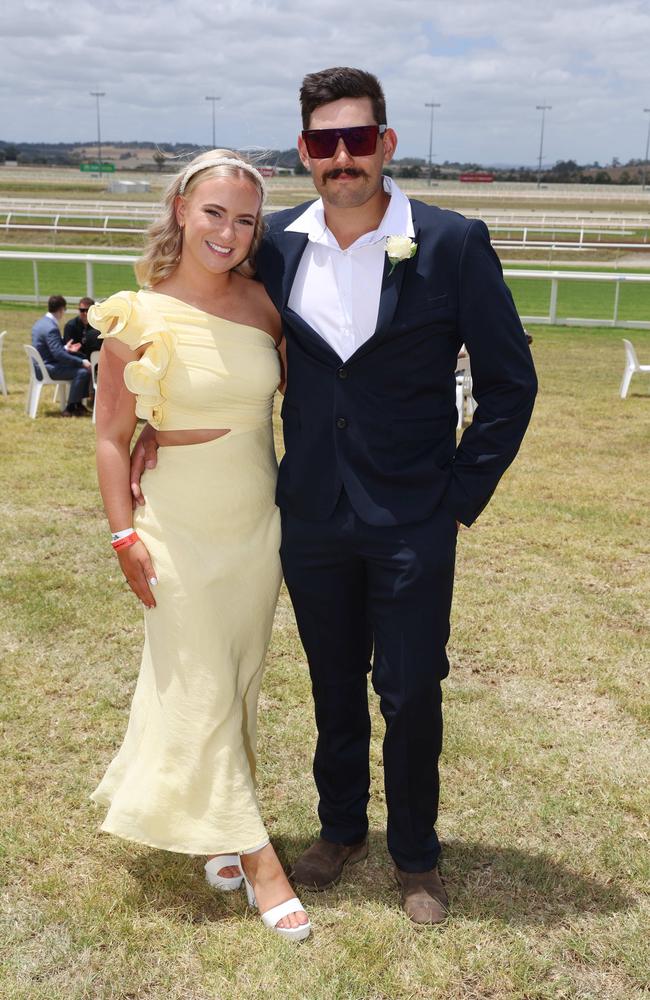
(293, 245)
(391, 287)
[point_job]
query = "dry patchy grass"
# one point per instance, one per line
(545, 801)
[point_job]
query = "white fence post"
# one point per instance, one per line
(553, 304)
(90, 290)
(617, 292)
(35, 272)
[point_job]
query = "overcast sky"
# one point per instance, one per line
(488, 63)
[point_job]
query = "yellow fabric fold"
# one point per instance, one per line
(125, 317)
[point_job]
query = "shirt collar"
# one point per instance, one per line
(397, 220)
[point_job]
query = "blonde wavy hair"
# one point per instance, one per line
(165, 237)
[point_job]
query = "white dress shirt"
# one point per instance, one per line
(337, 291)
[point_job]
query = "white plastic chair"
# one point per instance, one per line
(465, 403)
(3, 383)
(632, 366)
(61, 386)
(94, 362)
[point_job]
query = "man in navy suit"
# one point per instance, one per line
(60, 361)
(372, 486)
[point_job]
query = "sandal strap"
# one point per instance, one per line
(276, 913)
(222, 861)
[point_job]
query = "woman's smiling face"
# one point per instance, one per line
(218, 221)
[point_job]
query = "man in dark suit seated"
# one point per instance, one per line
(79, 331)
(62, 363)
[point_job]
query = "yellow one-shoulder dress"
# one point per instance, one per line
(184, 777)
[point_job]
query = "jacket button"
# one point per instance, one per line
(342, 373)
(341, 423)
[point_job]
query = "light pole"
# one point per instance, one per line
(213, 100)
(647, 148)
(432, 105)
(543, 108)
(97, 94)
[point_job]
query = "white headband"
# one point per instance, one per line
(219, 161)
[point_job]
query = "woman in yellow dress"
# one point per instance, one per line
(196, 352)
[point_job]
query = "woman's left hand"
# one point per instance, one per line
(139, 572)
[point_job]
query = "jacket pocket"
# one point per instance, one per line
(425, 306)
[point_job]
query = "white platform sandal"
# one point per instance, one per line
(223, 882)
(271, 917)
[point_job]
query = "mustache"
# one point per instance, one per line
(348, 171)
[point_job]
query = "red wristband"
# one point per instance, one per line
(124, 543)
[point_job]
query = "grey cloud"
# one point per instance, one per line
(487, 63)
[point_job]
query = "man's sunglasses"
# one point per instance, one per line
(360, 140)
(81, 310)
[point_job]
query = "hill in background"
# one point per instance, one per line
(165, 157)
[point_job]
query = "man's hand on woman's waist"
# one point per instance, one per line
(144, 456)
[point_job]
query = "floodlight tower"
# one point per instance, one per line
(213, 101)
(432, 105)
(97, 94)
(647, 149)
(543, 108)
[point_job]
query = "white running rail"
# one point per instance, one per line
(88, 261)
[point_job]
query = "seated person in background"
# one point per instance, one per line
(78, 331)
(61, 363)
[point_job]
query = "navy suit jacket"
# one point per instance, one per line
(46, 338)
(383, 423)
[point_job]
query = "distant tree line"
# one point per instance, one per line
(166, 157)
(562, 172)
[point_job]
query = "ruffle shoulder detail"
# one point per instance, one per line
(126, 317)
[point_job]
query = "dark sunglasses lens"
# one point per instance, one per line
(83, 310)
(361, 141)
(322, 143)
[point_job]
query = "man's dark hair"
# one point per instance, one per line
(56, 302)
(86, 301)
(340, 81)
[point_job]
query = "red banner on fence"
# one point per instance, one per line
(477, 178)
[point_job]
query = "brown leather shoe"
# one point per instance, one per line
(322, 864)
(423, 896)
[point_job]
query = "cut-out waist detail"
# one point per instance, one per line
(176, 418)
(199, 436)
(261, 436)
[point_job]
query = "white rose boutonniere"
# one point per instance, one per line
(399, 248)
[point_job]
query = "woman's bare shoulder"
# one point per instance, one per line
(263, 313)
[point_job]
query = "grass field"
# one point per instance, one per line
(44, 183)
(68, 185)
(589, 300)
(581, 299)
(532, 297)
(16, 277)
(545, 801)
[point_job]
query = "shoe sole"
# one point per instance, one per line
(360, 855)
(300, 933)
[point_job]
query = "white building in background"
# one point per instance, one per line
(128, 187)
